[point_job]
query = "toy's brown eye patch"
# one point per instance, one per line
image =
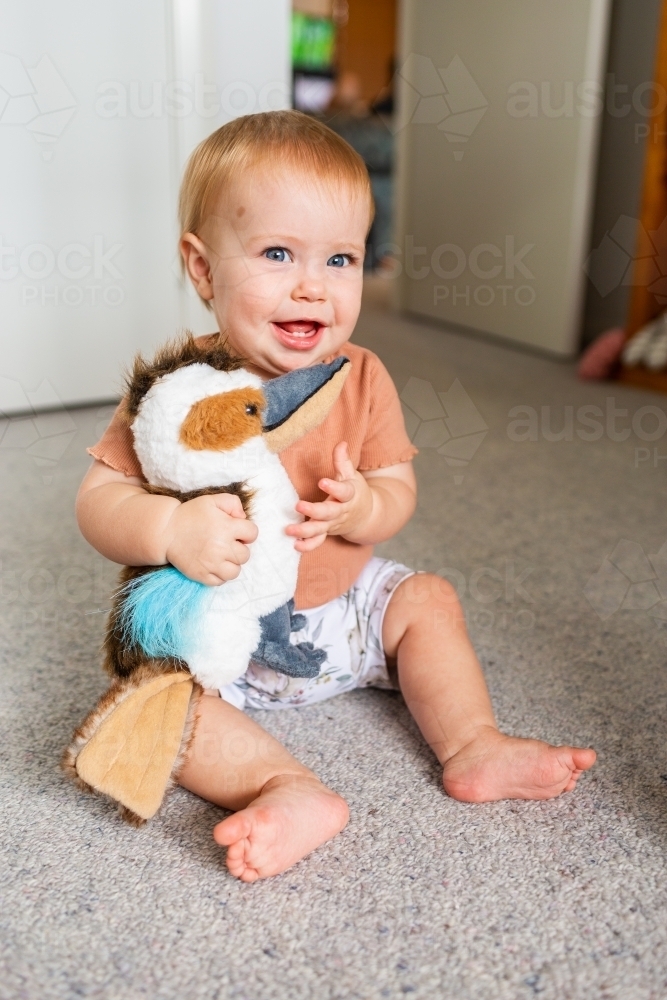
(223, 422)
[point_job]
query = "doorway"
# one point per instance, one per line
(343, 62)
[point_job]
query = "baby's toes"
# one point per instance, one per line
(583, 758)
(233, 830)
(243, 860)
(574, 761)
(263, 854)
(236, 866)
(248, 874)
(252, 855)
(236, 857)
(239, 868)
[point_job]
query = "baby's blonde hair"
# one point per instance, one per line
(283, 137)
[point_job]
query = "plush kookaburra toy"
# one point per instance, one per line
(201, 424)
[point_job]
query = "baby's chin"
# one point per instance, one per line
(270, 367)
(281, 359)
(267, 357)
(271, 370)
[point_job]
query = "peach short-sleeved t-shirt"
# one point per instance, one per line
(367, 415)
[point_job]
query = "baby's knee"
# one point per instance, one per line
(425, 599)
(424, 602)
(427, 591)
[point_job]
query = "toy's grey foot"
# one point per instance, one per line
(295, 661)
(297, 621)
(275, 650)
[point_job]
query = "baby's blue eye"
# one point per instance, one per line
(338, 260)
(278, 254)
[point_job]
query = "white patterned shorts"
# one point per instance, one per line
(349, 628)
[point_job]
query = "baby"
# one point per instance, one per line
(275, 209)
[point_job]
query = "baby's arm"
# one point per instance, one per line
(363, 507)
(206, 538)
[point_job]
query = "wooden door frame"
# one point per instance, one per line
(643, 304)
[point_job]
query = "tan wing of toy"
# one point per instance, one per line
(133, 742)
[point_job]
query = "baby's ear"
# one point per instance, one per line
(299, 401)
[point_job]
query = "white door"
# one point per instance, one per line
(100, 105)
(500, 103)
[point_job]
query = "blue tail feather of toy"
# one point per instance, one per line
(160, 612)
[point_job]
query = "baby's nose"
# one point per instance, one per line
(310, 288)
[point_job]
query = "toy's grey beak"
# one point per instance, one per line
(299, 401)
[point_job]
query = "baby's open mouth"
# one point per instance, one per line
(299, 334)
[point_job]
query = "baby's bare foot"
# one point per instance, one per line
(292, 816)
(494, 766)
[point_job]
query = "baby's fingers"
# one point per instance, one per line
(343, 491)
(244, 531)
(229, 503)
(308, 529)
(324, 510)
(308, 544)
(223, 574)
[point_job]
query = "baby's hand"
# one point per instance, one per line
(348, 509)
(208, 538)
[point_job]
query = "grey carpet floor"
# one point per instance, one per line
(420, 895)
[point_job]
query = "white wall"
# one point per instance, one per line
(497, 163)
(244, 48)
(100, 105)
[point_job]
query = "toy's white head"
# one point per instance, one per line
(199, 427)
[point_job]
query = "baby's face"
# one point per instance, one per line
(286, 267)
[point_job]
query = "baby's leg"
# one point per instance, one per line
(284, 811)
(444, 688)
